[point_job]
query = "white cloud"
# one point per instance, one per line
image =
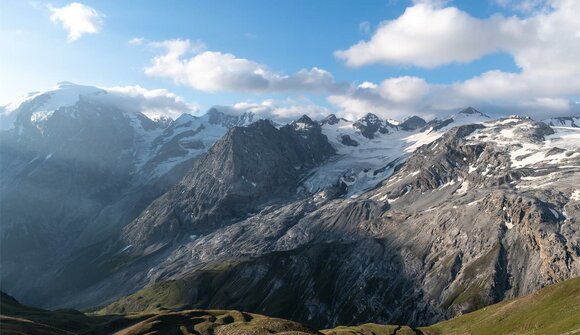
(392, 98)
(282, 111)
(136, 41)
(545, 46)
(429, 36)
(77, 19)
(153, 103)
(213, 71)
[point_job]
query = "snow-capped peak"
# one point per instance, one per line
(41, 105)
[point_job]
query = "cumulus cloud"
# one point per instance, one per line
(392, 98)
(282, 111)
(545, 46)
(213, 71)
(154, 103)
(77, 19)
(428, 36)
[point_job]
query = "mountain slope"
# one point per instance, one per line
(531, 314)
(370, 149)
(552, 310)
(455, 228)
(77, 164)
(409, 222)
(247, 167)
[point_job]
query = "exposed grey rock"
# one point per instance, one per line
(460, 225)
(331, 119)
(471, 110)
(413, 123)
(347, 140)
(248, 167)
(371, 124)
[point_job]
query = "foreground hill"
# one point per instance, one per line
(552, 310)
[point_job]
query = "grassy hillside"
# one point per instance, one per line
(554, 310)
(19, 319)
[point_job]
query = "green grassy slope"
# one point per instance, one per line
(18, 319)
(554, 310)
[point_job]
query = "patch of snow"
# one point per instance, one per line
(449, 183)
(377, 157)
(464, 187)
(126, 248)
(41, 116)
(474, 202)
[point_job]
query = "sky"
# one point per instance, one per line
(283, 59)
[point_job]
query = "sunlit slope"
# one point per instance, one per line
(553, 310)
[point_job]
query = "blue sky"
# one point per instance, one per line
(284, 37)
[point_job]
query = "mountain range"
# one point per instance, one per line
(324, 222)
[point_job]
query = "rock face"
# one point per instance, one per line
(77, 166)
(371, 124)
(413, 123)
(412, 224)
(459, 226)
(247, 168)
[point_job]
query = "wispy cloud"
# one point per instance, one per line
(364, 27)
(136, 41)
